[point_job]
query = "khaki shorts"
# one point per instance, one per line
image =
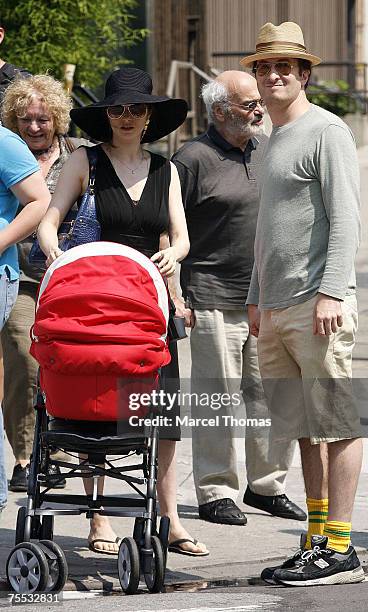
(307, 378)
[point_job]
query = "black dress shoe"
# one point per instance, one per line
(19, 479)
(277, 505)
(55, 472)
(223, 511)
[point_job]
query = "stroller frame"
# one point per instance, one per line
(145, 552)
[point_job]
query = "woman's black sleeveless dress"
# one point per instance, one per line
(139, 225)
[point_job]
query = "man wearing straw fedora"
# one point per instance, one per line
(302, 304)
(218, 172)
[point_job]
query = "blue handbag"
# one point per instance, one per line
(80, 225)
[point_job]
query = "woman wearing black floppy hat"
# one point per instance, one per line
(138, 203)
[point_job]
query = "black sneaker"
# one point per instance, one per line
(321, 565)
(289, 563)
(19, 479)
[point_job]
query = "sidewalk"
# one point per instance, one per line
(236, 552)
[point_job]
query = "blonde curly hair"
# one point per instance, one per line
(20, 93)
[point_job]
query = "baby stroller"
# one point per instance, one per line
(100, 333)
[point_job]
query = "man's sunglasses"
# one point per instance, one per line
(249, 106)
(134, 110)
(264, 69)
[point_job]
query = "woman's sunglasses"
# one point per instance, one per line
(134, 110)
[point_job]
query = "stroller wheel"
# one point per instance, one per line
(128, 566)
(27, 569)
(155, 579)
(58, 567)
(20, 530)
(163, 533)
(47, 527)
(138, 532)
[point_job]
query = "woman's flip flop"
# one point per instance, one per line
(175, 547)
(101, 551)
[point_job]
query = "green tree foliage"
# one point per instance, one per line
(42, 35)
(334, 96)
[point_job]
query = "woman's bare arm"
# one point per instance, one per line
(178, 233)
(72, 183)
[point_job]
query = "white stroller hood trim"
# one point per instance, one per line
(96, 249)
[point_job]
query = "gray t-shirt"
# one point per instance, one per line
(308, 224)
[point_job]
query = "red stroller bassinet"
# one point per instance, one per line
(99, 334)
(101, 318)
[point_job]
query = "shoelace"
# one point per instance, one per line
(228, 503)
(308, 555)
(225, 502)
(301, 550)
(297, 553)
(299, 557)
(285, 499)
(316, 552)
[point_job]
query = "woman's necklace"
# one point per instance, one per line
(132, 170)
(45, 154)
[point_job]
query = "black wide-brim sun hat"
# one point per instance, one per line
(131, 86)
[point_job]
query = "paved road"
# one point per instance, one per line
(220, 599)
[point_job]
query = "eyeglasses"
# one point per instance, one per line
(134, 110)
(264, 69)
(249, 106)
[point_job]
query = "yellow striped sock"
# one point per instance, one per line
(317, 516)
(338, 534)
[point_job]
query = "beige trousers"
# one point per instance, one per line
(224, 360)
(310, 374)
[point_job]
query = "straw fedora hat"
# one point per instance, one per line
(285, 40)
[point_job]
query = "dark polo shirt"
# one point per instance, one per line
(220, 197)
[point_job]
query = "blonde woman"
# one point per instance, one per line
(37, 109)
